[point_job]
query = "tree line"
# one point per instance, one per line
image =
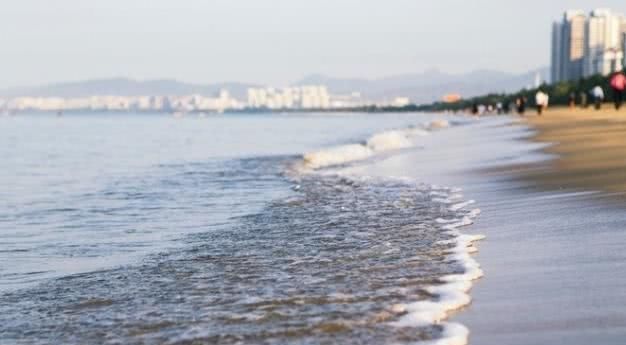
(559, 93)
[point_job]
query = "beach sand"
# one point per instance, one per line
(591, 149)
(555, 258)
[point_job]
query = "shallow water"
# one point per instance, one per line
(325, 264)
(81, 193)
(148, 229)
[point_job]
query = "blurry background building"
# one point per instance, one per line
(583, 45)
(568, 46)
(297, 97)
(604, 49)
(451, 98)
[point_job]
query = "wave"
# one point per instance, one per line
(452, 292)
(380, 142)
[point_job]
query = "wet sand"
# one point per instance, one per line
(555, 258)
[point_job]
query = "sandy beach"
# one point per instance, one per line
(590, 145)
(554, 256)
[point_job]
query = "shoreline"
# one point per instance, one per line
(554, 254)
(553, 257)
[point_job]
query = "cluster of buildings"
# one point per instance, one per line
(222, 101)
(311, 97)
(588, 44)
(266, 98)
(306, 97)
(303, 97)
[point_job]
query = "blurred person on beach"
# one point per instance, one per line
(481, 109)
(474, 109)
(520, 102)
(618, 84)
(584, 102)
(499, 108)
(507, 107)
(598, 96)
(541, 101)
(572, 100)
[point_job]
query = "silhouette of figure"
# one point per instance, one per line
(521, 105)
(541, 101)
(572, 100)
(598, 96)
(506, 108)
(618, 84)
(474, 108)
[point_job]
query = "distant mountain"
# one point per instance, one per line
(430, 85)
(125, 87)
(421, 88)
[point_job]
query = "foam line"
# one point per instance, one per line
(380, 142)
(474, 213)
(465, 221)
(461, 205)
(446, 221)
(337, 155)
(453, 291)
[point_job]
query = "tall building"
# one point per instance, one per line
(568, 47)
(556, 55)
(584, 46)
(301, 97)
(624, 43)
(604, 50)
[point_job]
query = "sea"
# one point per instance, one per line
(235, 229)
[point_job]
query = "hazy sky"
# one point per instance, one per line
(271, 41)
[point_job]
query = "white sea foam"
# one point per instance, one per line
(461, 205)
(439, 124)
(390, 140)
(446, 221)
(448, 200)
(465, 221)
(337, 155)
(474, 213)
(453, 291)
(380, 142)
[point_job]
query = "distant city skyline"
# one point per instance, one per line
(271, 42)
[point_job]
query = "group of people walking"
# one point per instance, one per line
(617, 84)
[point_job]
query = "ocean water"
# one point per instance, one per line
(230, 229)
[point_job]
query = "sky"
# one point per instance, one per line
(271, 41)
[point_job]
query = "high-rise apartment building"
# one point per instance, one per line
(568, 46)
(604, 47)
(583, 45)
(301, 97)
(556, 55)
(624, 42)
(624, 46)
